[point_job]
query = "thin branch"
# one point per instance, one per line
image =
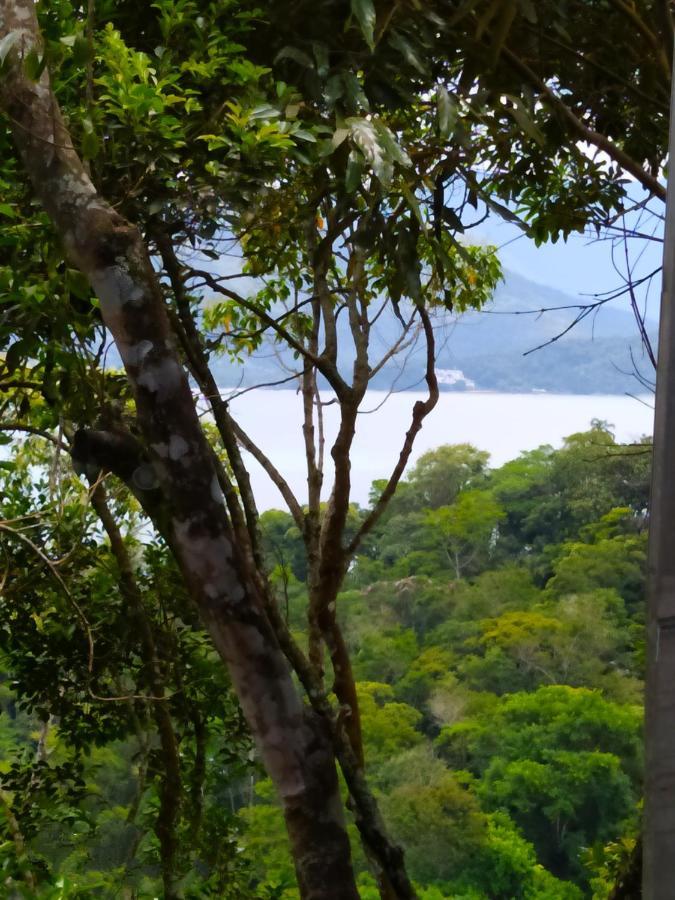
(639, 318)
(594, 64)
(578, 318)
(601, 141)
(404, 341)
(64, 587)
(30, 429)
(421, 410)
(327, 369)
(256, 387)
(631, 14)
(273, 473)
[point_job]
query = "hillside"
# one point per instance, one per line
(494, 624)
(486, 350)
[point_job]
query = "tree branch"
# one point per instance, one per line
(170, 784)
(601, 141)
(630, 12)
(273, 473)
(421, 410)
(328, 370)
(113, 256)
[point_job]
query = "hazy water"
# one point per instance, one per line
(503, 424)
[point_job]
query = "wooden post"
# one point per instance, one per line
(659, 821)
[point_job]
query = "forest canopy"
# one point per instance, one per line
(182, 180)
(501, 709)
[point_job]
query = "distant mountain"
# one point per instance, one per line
(486, 350)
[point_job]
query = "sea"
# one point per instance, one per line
(503, 424)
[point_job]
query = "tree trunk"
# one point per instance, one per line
(659, 815)
(111, 253)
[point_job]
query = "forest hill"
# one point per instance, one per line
(494, 619)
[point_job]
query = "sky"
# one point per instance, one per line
(581, 265)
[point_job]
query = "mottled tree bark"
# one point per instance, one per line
(385, 856)
(111, 253)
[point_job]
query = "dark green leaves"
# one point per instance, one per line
(15, 355)
(447, 111)
(34, 65)
(378, 147)
(364, 12)
(90, 142)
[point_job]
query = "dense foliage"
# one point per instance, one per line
(494, 620)
(306, 171)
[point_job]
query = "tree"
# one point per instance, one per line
(615, 562)
(123, 733)
(440, 824)
(438, 476)
(549, 495)
(580, 641)
(191, 515)
(150, 436)
(542, 756)
(359, 112)
(563, 804)
(468, 528)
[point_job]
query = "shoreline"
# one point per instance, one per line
(469, 392)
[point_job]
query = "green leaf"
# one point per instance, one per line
(505, 212)
(354, 171)
(447, 111)
(264, 111)
(298, 56)
(334, 89)
(405, 48)
(354, 94)
(413, 203)
(460, 248)
(452, 219)
(408, 261)
(304, 135)
(77, 283)
(7, 210)
(322, 57)
(391, 145)
(33, 66)
(81, 50)
(13, 355)
(522, 117)
(364, 12)
(90, 145)
(339, 135)
(365, 137)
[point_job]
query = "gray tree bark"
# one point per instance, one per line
(110, 251)
(659, 821)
